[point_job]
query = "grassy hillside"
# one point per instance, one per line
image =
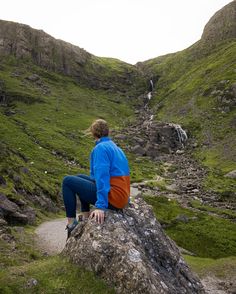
(43, 116)
(196, 88)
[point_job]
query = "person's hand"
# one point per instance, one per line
(98, 215)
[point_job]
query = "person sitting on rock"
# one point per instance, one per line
(107, 187)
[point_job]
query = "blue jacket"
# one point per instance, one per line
(109, 167)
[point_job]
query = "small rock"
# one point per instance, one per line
(172, 187)
(120, 137)
(2, 222)
(180, 152)
(182, 218)
(24, 170)
(195, 191)
(33, 78)
(32, 283)
(138, 150)
(231, 174)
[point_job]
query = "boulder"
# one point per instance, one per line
(137, 149)
(11, 212)
(131, 252)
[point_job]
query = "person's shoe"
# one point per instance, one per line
(70, 228)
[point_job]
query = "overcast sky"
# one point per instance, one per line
(130, 30)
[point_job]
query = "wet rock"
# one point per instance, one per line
(132, 253)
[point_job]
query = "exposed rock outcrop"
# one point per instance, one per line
(12, 213)
(132, 253)
(22, 41)
(147, 137)
(222, 25)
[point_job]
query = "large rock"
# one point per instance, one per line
(221, 26)
(11, 212)
(16, 211)
(132, 253)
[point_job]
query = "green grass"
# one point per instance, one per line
(204, 235)
(20, 249)
(45, 133)
(161, 184)
(223, 268)
(53, 275)
(222, 212)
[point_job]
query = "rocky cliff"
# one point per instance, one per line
(24, 42)
(221, 26)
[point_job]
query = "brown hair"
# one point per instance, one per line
(99, 128)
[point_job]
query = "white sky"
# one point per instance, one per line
(130, 30)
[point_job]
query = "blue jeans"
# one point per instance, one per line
(83, 186)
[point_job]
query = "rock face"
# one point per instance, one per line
(147, 137)
(15, 213)
(24, 42)
(222, 25)
(132, 253)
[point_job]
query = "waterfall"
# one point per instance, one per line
(182, 135)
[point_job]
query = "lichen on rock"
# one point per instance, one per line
(131, 252)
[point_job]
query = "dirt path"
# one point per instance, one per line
(51, 236)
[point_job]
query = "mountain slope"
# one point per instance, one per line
(43, 117)
(196, 88)
(25, 43)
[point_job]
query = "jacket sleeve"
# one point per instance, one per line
(101, 169)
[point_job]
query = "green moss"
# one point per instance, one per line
(53, 275)
(161, 184)
(143, 168)
(166, 210)
(204, 235)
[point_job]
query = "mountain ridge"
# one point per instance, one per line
(24, 42)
